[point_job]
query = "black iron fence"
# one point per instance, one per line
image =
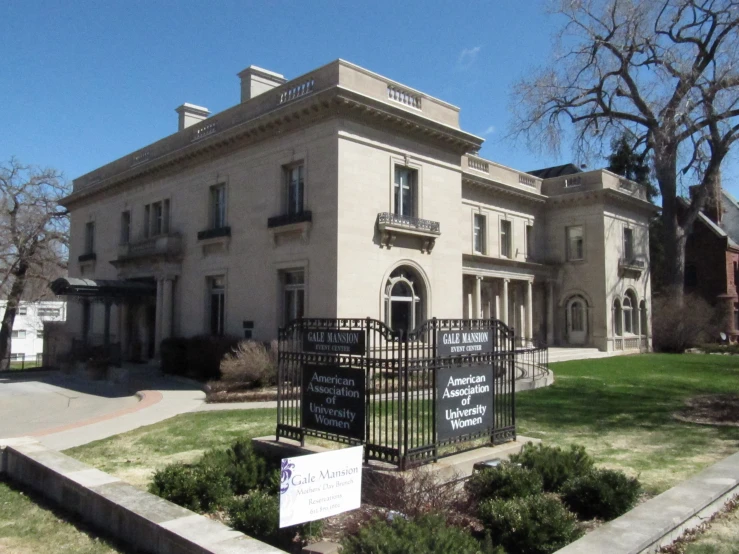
(532, 363)
(388, 390)
(21, 362)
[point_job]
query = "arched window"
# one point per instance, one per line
(405, 300)
(617, 318)
(631, 316)
(643, 315)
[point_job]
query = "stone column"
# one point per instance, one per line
(106, 324)
(550, 313)
(158, 318)
(529, 312)
(478, 298)
(504, 315)
(123, 329)
(166, 331)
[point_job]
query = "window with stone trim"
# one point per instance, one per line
(217, 305)
(575, 243)
(218, 206)
(405, 191)
(505, 238)
(293, 295)
(89, 237)
(295, 197)
(479, 228)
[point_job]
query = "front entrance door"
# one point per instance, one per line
(577, 321)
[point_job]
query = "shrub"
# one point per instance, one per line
(418, 492)
(602, 493)
(554, 464)
(676, 328)
(537, 524)
(200, 488)
(428, 534)
(177, 483)
(504, 482)
(258, 515)
(173, 353)
(249, 364)
(204, 355)
(247, 470)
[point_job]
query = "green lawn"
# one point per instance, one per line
(621, 410)
(30, 528)
(618, 408)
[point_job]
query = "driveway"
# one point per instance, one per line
(34, 403)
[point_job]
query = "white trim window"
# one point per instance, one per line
(575, 243)
(505, 238)
(404, 191)
(218, 206)
(18, 334)
(479, 229)
(293, 293)
(295, 189)
(217, 305)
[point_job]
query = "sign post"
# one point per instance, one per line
(320, 485)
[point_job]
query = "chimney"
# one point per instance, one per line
(190, 114)
(255, 81)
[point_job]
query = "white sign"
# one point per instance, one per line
(320, 485)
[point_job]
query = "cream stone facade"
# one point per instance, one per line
(344, 194)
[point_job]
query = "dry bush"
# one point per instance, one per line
(419, 491)
(676, 328)
(250, 364)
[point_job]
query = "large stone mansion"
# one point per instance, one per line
(342, 193)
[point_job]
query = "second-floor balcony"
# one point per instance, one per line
(167, 246)
(286, 225)
(631, 264)
(391, 225)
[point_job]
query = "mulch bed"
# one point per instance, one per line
(711, 409)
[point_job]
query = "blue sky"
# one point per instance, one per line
(83, 83)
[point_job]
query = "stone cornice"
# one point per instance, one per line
(478, 181)
(332, 102)
(589, 196)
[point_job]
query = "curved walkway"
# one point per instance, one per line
(64, 411)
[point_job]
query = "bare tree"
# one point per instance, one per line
(34, 235)
(665, 72)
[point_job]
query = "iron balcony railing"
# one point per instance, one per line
(408, 222)
(289, 219)
(214, 233)
(631, 263)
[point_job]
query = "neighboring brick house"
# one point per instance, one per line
(712, 260)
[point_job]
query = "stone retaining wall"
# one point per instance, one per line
(119, 510)
(661, 520)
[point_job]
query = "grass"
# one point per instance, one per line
(619, 408)
(27, 526)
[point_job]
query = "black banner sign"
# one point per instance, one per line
(333, 400)
(333, 341)
(458, 343)
(464, 400)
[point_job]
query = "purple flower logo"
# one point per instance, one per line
(285, 474)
